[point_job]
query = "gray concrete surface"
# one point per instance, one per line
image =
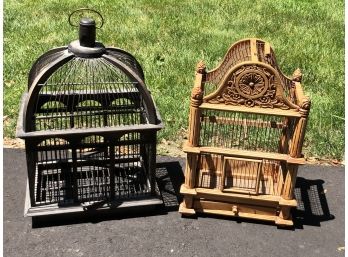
(319, 219)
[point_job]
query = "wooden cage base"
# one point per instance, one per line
(55, 209)
(258, 207)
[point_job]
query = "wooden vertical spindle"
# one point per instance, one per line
(296, 142)
(195, 102)
(194, 127)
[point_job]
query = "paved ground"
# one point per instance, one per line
(319, 229)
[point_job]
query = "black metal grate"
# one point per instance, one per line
(88, 93)
(90, 172)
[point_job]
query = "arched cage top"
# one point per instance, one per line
(66, 91)
(56, 53)
(251, 84)
(245, 71)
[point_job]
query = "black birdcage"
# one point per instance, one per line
(89, 125)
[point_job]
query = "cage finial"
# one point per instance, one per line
(87, 46)
(297, 75)
(87, 33)
(201, 68)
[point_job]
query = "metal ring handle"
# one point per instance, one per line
(86, 9)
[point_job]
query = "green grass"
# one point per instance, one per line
(170, 37)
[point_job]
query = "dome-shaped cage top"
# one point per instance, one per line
(86, 87)
(249, 73)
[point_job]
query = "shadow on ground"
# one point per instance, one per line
(169, 176)
(312, 206)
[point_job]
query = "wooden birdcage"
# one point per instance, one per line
(246, 129)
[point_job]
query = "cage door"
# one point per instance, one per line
(241, 175)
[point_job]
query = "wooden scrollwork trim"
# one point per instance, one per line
(251, 84)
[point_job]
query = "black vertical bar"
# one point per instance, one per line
(60, 173)
(74, 175)
(47, 175)
(127, 171)
(31, 164)
(152, 162)
(112, 171)
(55, 171)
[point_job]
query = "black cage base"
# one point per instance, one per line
(81, 208)
(93, 185)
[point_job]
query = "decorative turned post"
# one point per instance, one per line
(194, 124)
(196, 101)
(305, 104)
(295, 150)
(298, 137)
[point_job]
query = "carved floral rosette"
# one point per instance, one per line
(251, 85)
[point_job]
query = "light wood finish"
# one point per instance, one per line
(243, 198)
(267, 49)
(188, 201)
(298, 137)
(229, 60)
(284, 222)
(244, 122)
(248, 100)
(217, 195)
(284, 140)
(235, 208)
(257, 110)
(190, 170)
(302, 100)
(289, 184)
(186, 211)
(254, 56)
(280, 181)
(241, 215)
(289, 203)
(284, 213)
(239, 172)
(187, 191)
(196, 101)
(244, 153)
(194, 126)
(238, 210)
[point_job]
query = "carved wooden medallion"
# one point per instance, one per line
(251, 85)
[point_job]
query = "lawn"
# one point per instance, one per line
(170, 37)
